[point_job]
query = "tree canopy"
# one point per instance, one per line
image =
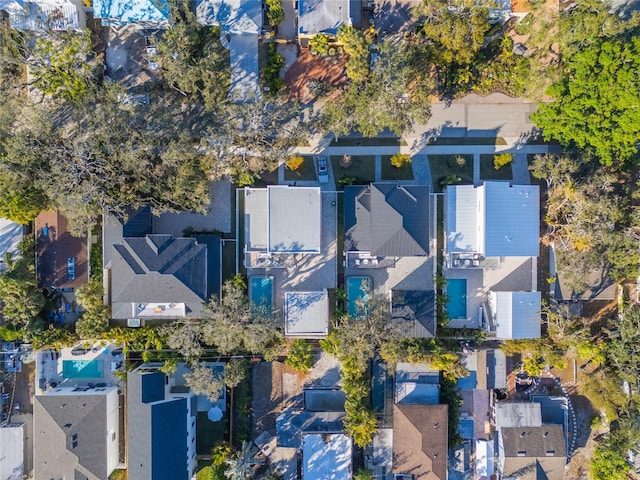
(596, 104)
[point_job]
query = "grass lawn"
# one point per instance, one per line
(469, 141)
(306, 171)
(362, 169)
(389, 172)
(208, 433)
(487, 172)
(369, 142)
(442, 166)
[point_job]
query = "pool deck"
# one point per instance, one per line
(49, 366)
(514, 274)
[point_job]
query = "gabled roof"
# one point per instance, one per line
(387, 219)
(38, 16)
(158, 269)
(517, 314)
(322, 16)
(72, 435)
(420, 441)
(240, 16)
(534, 453)
(415, 312)
(115, 12)
(157, 429)
(496, 219)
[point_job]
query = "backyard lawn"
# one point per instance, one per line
(361, 169)
(453, 167)
(389, 172)
(488, 172)
(208, 433)
(306, 171)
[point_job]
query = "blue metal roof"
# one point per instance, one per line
(124, 11)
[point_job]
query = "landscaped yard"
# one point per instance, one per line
(453, 168)
(208, 433)
(306, 171)
(361, 169)
(389, 172)
(488, 172)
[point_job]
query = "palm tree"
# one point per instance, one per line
(244, 466)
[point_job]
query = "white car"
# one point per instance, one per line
(323, 173)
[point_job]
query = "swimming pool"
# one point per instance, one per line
(457, 294)
(358, 290)
(261, 293)
(83, 368)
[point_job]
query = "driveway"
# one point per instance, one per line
(394, 16)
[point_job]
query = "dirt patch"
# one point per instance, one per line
(307, 67)
(25, 387)
(325, 372)
(267, 396)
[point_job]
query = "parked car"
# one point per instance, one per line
(79, 351)
(71, 268)
(323, 173)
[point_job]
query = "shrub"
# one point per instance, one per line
(300, 356)
(275, 12)
(399, 159)
(461, 161)
(275, 62)
(501, 160)
(320, 44)
(294, 163)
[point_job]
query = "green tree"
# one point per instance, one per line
(94, 320)
(610, 456)
(275, 12)
(595, 103)
(300, 355)
(202, 379)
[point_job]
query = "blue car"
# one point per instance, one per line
(71, 268)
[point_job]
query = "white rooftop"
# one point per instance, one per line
(496, 219)
(158, 310)
(232, 15)
(282, 219)
(484, 464)
(12, 448)
(306, 314)
(324, 16)
(518, 414)
(56, 15)
(326, 456)
(517, 314)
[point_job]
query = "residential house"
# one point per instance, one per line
(290, 254)
(491, 246)
(57, 15)
(12, 448)
(326, 16)
(158, 277)
(420, 441)
(518, 415)
(531, 453)
(147, 13)
(161, 427)
(62, 259)
(76, 432)
(10, 237)
(241, 25)
(326, 456)
(390, 237)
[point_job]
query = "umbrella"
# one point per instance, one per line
(214, 414)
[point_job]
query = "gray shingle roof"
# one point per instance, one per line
(71, 436)
(534, 453)
(388, 220)
(157, 269)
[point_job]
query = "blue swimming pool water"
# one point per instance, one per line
(358, 288)
(261, 293)
(83, 368)
(457, 294)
